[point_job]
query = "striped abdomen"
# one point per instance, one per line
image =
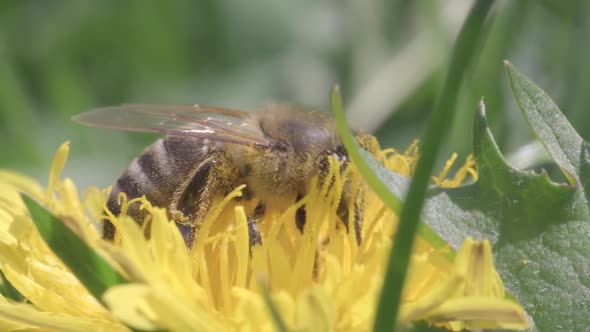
(156, 173)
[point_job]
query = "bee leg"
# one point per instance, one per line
(191, 201)
(300, 214)
(253, 231)
(357, 219)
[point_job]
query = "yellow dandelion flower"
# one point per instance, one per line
(320, 280)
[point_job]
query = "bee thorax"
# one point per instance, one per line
(278, 176)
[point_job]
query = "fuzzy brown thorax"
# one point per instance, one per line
(298, 140)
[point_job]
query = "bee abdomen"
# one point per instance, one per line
(160, 170)
(149, 175)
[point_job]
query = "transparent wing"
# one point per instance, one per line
(199, 121)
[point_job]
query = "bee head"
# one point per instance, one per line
(292, 130)
(297, 141)
(301, 142)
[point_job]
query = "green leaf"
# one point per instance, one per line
(541, 238)
(542, 249)
(552, 129)
(93, 271)
(505, 205)
(548, 123)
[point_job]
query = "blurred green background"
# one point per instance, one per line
(59, 58)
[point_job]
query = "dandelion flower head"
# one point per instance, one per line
(319, 280)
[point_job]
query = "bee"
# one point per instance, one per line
(208, 151)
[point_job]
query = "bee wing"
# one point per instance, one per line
(198, 121)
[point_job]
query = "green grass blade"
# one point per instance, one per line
(373, 172)
(354, 153)
(437, 128)
(91, 269)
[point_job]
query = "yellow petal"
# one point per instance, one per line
(57, 165)
(14, 316)
(478, 312)
(419, 309)
(148, 307)
(19, 183)
(128, 302)
(252, 313)
(315, 311)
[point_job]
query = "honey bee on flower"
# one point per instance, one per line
(209, 151)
